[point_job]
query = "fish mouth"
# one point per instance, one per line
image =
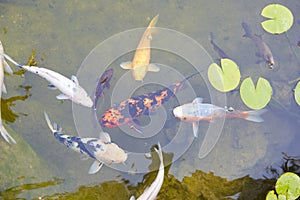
(177, 111)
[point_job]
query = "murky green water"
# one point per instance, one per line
(63, 33)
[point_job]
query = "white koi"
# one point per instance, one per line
(102, 150)
(151, 192)
(140, 64)
(198, 111)
(4, 67)
(70, 88)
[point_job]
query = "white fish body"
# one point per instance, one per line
(101, 150)
(70, 88)
(3, 67)
(151, 192)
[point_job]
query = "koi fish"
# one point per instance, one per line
(101, 150)
(129, 110)
(141, 60)
(103, 82)
(4, 67)
(198, 111)
(263, 49)
(70, 88)
(151, 192)
(221, 53)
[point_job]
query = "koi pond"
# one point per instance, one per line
(235, 129)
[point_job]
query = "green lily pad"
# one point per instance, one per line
(280, 18)
(271, 196)
(256, 98)
(226, 78)
(288, 185)
(297, 93)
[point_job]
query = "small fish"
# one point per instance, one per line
(198, 111)
(263, 48)
(129, 110)
(103, 82)
(221, 53)
(4, 67)
(102, 150)
(141, 60)
(151, 192)
(70, 88)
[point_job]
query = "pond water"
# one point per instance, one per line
(85, 38)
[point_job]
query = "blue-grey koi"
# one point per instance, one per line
(103, 82)
(263, 49)
(221, 53)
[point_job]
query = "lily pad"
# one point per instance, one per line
(297, 93)
(226, 78)
(288, 185)
(280, 18)
(256, 98)
(271, 196)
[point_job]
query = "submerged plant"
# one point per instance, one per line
(226, 78)
(287, 187)
(280, 18)
(256, 97)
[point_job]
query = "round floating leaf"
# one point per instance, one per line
(226, 78)
(288, 185)
(271, 196)
(280, 18)
(256, 98)
(297, 93)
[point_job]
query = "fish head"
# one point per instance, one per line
(112, 154)
(81, 97)
(185, 111)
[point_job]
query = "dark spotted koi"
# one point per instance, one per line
(129, 110)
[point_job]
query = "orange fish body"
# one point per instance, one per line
(198, 111)
(140, 64)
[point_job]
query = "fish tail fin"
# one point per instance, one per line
(248, 32)
(54, 127)
(255, 115)
(11, 60)
(153, 21)
(6, 135)
(211, 37)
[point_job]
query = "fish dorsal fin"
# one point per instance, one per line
(4, 89)
(153, 68)
(195, 128)
(95, 167)
(198, 100)
(74, 79)
(104, 136)
(126, 65)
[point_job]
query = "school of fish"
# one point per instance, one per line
(102, 150)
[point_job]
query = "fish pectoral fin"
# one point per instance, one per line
(4, 89)
(7, 68)
(198, 100)
(51, 87)
(62, 97)
(195, 128)
(83, 157)
(126, 65)
(104, 136)
(95, 167)
(153, 68)
(74, 79)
